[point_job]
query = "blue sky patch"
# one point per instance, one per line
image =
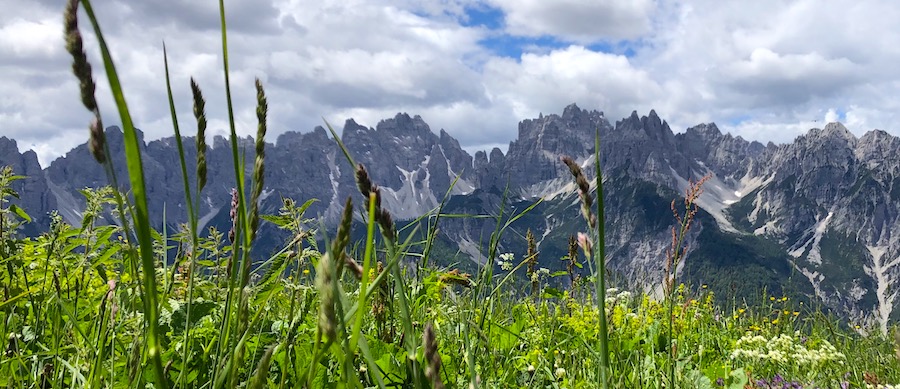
(483, 16)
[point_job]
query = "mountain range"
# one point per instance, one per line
(815, 218)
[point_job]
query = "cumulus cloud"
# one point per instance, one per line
(548, 82)
(766, 70)
(583, 21)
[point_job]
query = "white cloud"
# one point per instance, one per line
(583, 21)
(548, 82)
(766, 70)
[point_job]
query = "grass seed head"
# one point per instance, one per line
(325, 279)
(80, 65)
(82, 70)
(97, 142)
(342, 239)
(259, 168)
(233, 213)
(584, 190)
(432, 357)
(200, 115)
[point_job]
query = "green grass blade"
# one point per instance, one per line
(600, 275)
(141, 211)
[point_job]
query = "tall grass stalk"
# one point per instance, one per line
(192, 220)
(676, 254)
(140, 211)
(594, 246)
(600, 275)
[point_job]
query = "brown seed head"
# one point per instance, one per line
(97, 142)
(584, 190)
(233, 213)
(343, 233)
(432, 357)
(80, 65)
(200, 115)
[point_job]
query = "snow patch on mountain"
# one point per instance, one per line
(408, 202)
(813, 244)
(879, 270)
(718, 194)
(67, 206)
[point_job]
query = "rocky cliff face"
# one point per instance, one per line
(34, 196)
(826, 206)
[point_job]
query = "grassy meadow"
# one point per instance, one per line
(111, 306)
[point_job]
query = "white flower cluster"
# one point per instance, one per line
(614, 296)
(506, 261)
(785, 349)
(539, 274)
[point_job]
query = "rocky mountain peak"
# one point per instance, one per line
(833, 135)
(8, 146)
(706, 132)
(878, 146)
(402, 124)
(837, 129)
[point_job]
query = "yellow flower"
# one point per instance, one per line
(771, 298)
(742, 310)
(305, 272)
(796, 313)
(775, 321)
(735, 316)
(786, 312)
(784, 298)
(704, 286)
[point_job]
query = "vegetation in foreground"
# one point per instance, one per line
(122, 305)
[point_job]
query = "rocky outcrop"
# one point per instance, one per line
(34, 196)
(826, 206)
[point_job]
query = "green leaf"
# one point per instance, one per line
(279, 220)
(552, 292)
(737, 379)
(20, 213)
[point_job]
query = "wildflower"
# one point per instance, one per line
(775, 321)
(560, 373)
(703, 286)
(742, 310)
(772, 298)
(306, 272)
(796, 313)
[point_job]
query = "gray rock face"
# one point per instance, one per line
(34, 196)
(534, 156)
(725, 155)
(830, 202)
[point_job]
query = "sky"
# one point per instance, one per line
(766, 70)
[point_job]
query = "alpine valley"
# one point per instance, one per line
(815, 218)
